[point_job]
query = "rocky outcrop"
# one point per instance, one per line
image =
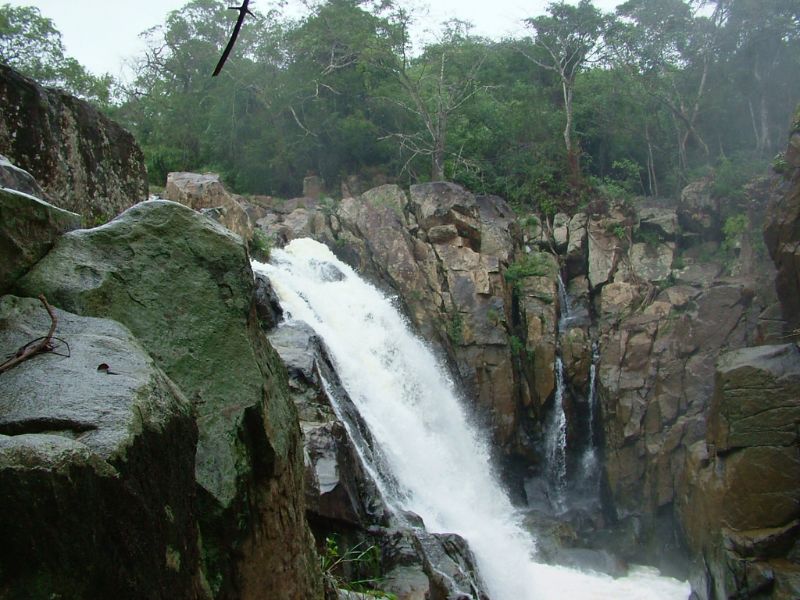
(740, 505)
(444, 252)
(87, 163)
(782, 234)
(183, 285)
(28, 229)
(206, 193)
(96, 465)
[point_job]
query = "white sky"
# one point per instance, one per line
(101, 34)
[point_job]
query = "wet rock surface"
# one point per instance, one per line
(183, 285)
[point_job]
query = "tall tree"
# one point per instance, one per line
(437, 85)
(567, 39)
(761, 38)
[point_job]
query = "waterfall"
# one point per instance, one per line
(589, 461)
(440, 464)
(555, 443)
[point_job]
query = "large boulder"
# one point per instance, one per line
(96, 466)
(183, 285)
(28, 229)
(86, 162)
(207, 193)
(740, 506)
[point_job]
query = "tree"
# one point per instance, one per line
(31, 44)
(762, 40)
(567, 39)
(438, 85)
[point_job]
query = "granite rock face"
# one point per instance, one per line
(84, 161)
(96, 466)
(183, 285)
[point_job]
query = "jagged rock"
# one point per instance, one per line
(662, 222)
(183, 285)
(655, 378)
(442, 203)
(604, 250)
(538, 310)
(86, 162)
(698, 211)
(618, 299)
(96, 466)
(652, 263)
(206, 192)
(561, 231)
(576, 246)
(390, 196)
(268, 306)
(739, 506)
(498, 227)
(28, 229)
(313, 187)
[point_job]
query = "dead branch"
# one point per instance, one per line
(28, 350)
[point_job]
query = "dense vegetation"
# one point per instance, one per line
(635, 102)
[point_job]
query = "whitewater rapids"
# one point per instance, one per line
(440, 462)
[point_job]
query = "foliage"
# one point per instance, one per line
(731, 175)
(31, 44)
(261, 245)
(360, 558)
(590, 104)
(732, 231)
(455, 328)
(535, 264)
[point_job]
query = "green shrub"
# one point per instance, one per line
(260, 246)
(735, 226)
(455, 328)
(361, 558)
(535, 264)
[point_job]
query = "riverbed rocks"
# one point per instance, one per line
(182, 284)
(84, 161)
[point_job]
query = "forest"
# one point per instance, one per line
(632, 103)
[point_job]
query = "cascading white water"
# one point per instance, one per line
(440, 462)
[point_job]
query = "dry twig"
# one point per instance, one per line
(31, 349)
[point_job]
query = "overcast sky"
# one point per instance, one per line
(101, 34)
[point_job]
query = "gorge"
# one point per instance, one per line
(260, 424)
